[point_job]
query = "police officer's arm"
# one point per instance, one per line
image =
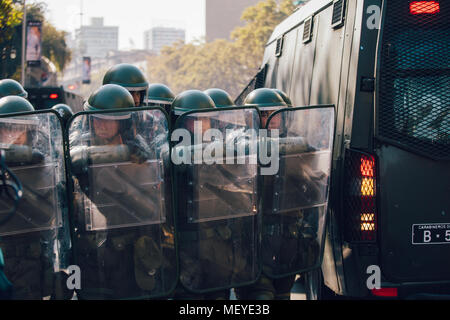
(19, 154)
(139, 149)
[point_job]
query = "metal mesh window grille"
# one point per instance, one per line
(414, 80)
(359, 197)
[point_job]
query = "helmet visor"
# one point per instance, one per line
(112, 116)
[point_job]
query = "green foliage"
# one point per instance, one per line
(54, 46)
(10, 20)
(224, 64)
(261, 20)
(53, 41)
(10, 17)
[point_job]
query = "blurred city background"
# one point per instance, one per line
(196, 44)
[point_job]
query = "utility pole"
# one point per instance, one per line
(81, 13)
(24, 33)
(79, 66)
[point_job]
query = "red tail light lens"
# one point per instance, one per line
(424, 7)
(360, 197)
(385, 292)
(54, 96)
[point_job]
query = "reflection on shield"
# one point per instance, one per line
(296, 198)
(36, 240)
(124, 195)
(302, 181)
(218, 206)
(222, 191)
(38, 208)
(125, 243)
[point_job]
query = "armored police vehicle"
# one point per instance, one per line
(47, 97)
(385, 66)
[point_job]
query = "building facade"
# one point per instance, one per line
(156, 38)
(97, 40)
(223, 16)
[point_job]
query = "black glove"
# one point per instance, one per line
(139, 150)
(79, 156)
(18, 154)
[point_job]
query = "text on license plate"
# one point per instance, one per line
(431, 233)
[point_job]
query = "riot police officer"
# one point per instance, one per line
(215, 204)
(290, 221)
(5, 284)
(220, 97)
(35, 239)
(160, 95)
(268, 101)
(119, 186)
(284, 96)
(131, 78)
(10, 87)
(64, 111)
(112, 132)
(192, 268)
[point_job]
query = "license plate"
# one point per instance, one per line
(431, 233)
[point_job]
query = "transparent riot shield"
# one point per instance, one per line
(217, 198)
(36, 239)
(123, 221)
(295, 197)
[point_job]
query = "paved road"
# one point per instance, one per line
(297, 293)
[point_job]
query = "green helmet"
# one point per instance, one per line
(284, 96)
(64, 111)
(265, 99)
(10, 87)
(127, 76)
(109, 96)
(15, 104)
(159, 93)
(191, 100)
(220, 97)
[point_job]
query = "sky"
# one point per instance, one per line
(132, 16)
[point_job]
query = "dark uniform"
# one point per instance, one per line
(216, 205)
(294, 199)
(124, 239)
(35, 241)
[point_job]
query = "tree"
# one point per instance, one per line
(261, 19)
(228, 65)
(54, 45)
(10, 20)
(53, 41)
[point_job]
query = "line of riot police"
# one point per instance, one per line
(101, 192)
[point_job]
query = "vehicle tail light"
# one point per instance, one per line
(424, 7)
(54, 96)
(385, 292)
(360, 197)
